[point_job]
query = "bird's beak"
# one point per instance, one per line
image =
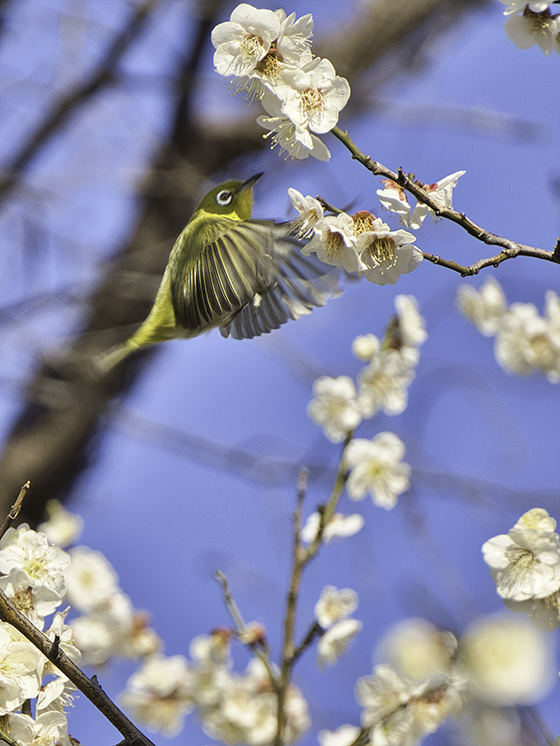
(249, 183)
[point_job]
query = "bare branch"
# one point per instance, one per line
(16, 507)
(510, 249)
(72, 100)
(90, 688)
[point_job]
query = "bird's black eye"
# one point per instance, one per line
(224, 197)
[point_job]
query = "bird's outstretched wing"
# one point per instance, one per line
(249, 278)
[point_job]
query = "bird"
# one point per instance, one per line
(227, 270)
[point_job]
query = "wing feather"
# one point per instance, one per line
(248, 278)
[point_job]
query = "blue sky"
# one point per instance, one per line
(483, 445)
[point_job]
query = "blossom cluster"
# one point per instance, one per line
(233, 708)
(359, 243)
(44, 582)
(339, 406)
(429, 674)
(525, 565)
(531, 23)
(268, 54)
(525, 341)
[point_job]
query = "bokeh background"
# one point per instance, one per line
(113, 126)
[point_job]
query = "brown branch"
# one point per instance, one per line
(258, 650)
(510, 249)
(16, 507)
(53, 438)
(61, 111)
(90, 688)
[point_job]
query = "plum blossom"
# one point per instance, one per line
(336, 640)
(506, 661)
(394, 198)
(525, 562)
(243, 41)
(376, 467)
(313, 95)
(485, 307)
(385, 254)
(334, 605)
(337, 526)
(334, 242)
(530, 28)
(159, 693)
(335, 407)
(310, 212)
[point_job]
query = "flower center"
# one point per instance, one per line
(334, 244)
(363, 221)
(540, 23)
(312, 101)
(380, 253)
(271, 64)
(542, 352)
(251, 47)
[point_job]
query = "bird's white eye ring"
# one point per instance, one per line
(224, 197)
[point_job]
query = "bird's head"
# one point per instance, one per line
(232, 199)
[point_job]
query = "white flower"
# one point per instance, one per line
(525, 562)
(530, 28)
(313, 95)
(343, 736)
(507, 661)
(525, 342)
(485, 307)
(90, 579)
(212, 650)
(376, 467)
(366, 346)
(383, 384)
(334, 242)
(159, 693)
(397, 729)
(338, 526)
(516, 6)
(412, 328)
(334, 605)
(243, 41)
(293, 139)
(294, 39)
(335, 407)
(310, 211)
(544, 613)
(335, 641)
(58, 695)
(394, 198)
(385, 254)
(48, 729)
(21, 667)
(62, 528)
(381, 693)
(419, 650)
(111, 629)
(34, 572)
(65, 635)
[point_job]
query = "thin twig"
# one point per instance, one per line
(327, 511)
(240, 629)
(14, 511)
(90, 688)
(315, 630)
(288, 647)
(59, 114)
(510, 249)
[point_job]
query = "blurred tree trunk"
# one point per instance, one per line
(54, 436)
